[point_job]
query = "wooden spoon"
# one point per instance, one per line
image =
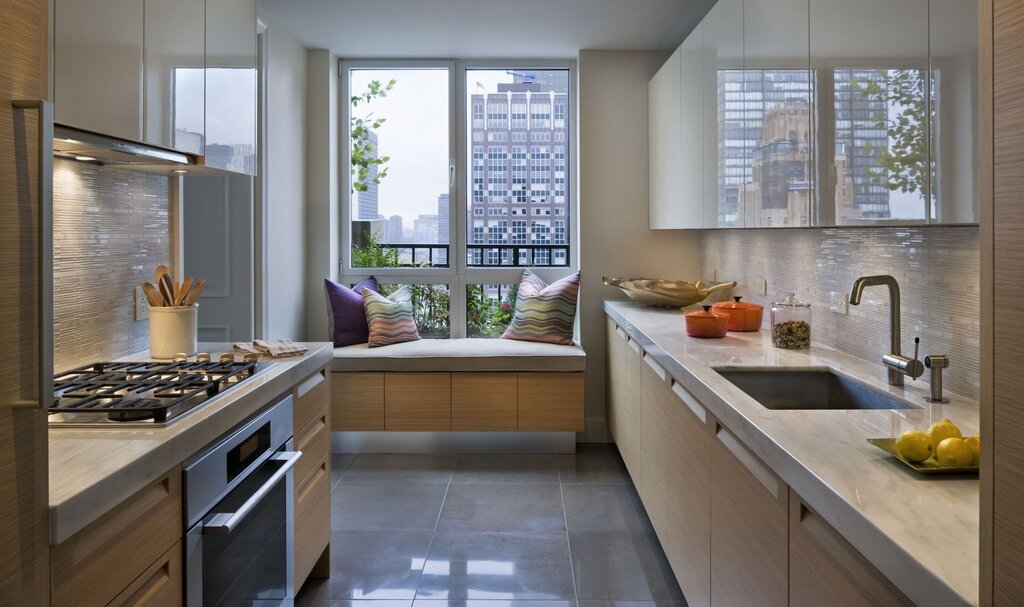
(196, 292)
(159, 273)
(183, 291)
(166, 290)
(152, 295)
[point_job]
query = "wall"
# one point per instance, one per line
(322, 222)
(614, 235)
(111, 228)
(285, 198)
(937, 269)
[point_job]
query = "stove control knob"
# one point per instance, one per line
(227, 357)
(250, 357)
(181, 357)
(203, 357)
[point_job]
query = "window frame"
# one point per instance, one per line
(459, 275)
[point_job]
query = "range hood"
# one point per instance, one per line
(87, 146)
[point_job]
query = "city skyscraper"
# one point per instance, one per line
(518, 193)
(369, 205)
(393, 230)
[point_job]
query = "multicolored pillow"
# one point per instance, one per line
(346, 316)
(390, 319)
(544, 312)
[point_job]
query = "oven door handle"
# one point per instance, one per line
(224, 523)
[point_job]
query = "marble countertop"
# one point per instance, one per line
(94, 469)
(922, 532)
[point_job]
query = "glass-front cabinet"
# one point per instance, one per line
(825, 113)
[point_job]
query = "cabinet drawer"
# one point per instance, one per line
(312, 395)
(418, 402)
(314, 441)
(100, 561)
(312, 519)
(357, 401)
(484, 402)
(550, 402)
(159, 586)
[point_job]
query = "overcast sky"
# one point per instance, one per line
(415, 135)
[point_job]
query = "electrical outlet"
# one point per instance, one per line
(141, 304)
(838, 303)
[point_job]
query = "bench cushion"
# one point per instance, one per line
(469, 354)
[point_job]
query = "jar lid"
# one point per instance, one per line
(736, 305)
(792, 302)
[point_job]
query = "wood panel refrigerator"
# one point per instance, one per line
(26, 318)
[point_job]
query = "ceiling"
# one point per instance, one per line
(484, 28)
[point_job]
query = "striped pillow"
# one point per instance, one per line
(390, 320)
(544, 312)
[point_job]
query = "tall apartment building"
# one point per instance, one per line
(519, 189)
(368, 203)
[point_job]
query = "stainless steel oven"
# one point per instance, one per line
(238, 515)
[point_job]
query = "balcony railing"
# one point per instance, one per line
(416, 255)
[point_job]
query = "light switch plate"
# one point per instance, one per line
(141, 304)
(838, 303)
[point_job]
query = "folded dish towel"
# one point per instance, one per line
(274, 348)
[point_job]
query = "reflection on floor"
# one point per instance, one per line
(490, 531)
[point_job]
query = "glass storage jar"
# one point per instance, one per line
(791, 323)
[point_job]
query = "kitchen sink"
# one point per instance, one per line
(807, 389)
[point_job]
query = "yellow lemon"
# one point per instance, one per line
(975, 444)
(954, 453)
(914, 446)
(941, 430)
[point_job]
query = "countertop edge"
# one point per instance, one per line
(914, 579)
(79, 510)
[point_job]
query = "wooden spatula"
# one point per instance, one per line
(166, 290)
(195, 292)
(152, 295)
(183, 291)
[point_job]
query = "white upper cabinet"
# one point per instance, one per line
(174, 68)
(665, 139)
(231, 85)
(97, 66)
(821, 113)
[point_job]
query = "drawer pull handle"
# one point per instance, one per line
(635, 346)
(658, 369)
(765, 476)
(690, 402)
(309, 383)
(621, 333)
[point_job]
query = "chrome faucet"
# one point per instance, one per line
(897, 364)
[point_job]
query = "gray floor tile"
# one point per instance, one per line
(506, 469)
(502, 507)
(666, 603)
(621, 566)
(604, 508)
(373, 577)
(410, 544)
(399, 468)
(591, 464)
(496, 579)
(339, 464)
(511, 546)
(386, 507)
(490, 603)
(304, 600)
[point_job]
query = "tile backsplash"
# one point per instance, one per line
(111, 228)
(937, 268)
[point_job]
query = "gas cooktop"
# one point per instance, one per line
(144, 393)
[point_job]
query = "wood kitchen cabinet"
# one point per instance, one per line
(675, 455)
(749, 527)
(311, 409)
(175, 83)
(625, 411)
(824, 569)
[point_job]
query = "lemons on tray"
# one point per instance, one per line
(941, 430)
(975, 444)
(954, 453)
(914, 446)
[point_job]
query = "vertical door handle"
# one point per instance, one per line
(44, 134)
(451, 172)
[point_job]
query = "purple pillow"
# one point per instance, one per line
(346, 318)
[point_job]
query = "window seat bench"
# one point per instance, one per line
(458, 385)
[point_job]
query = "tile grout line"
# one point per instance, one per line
(568, 542)
(433, 535)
